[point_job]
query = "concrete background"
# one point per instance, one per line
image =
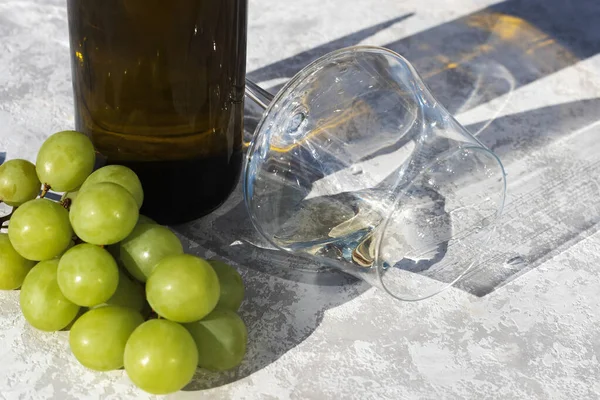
(521, 74)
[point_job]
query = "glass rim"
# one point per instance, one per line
(289, 87)
(378, 263)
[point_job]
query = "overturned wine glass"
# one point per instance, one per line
(356, 164)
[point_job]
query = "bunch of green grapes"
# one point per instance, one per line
(123, 284)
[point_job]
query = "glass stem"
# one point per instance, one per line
(258, 94)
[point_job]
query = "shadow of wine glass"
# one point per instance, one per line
(284, 304)
(548, 152)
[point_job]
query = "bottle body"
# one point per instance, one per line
(159, 87)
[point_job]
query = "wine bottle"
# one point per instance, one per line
(159, 87)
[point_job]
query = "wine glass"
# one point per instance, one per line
(355, 163)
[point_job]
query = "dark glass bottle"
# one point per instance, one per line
(159, 87)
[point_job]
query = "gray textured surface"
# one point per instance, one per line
(524, 74)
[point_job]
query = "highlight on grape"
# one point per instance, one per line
(122, 283)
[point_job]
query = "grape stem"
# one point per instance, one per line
(45, 189)
(66, 203)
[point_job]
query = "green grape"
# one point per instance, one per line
(65, 160)
(87, 275)
(129, 294)
(104, 213)
(145, 246)
(145, 220)
(160, 357)
(120, 175)
(13, 267)
(18, 182)
(221, 339)
(183, 288)
(98, 338)
(231, 284)
(42, 303)
(40, 229)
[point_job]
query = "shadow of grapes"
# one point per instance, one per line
(286, 295)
